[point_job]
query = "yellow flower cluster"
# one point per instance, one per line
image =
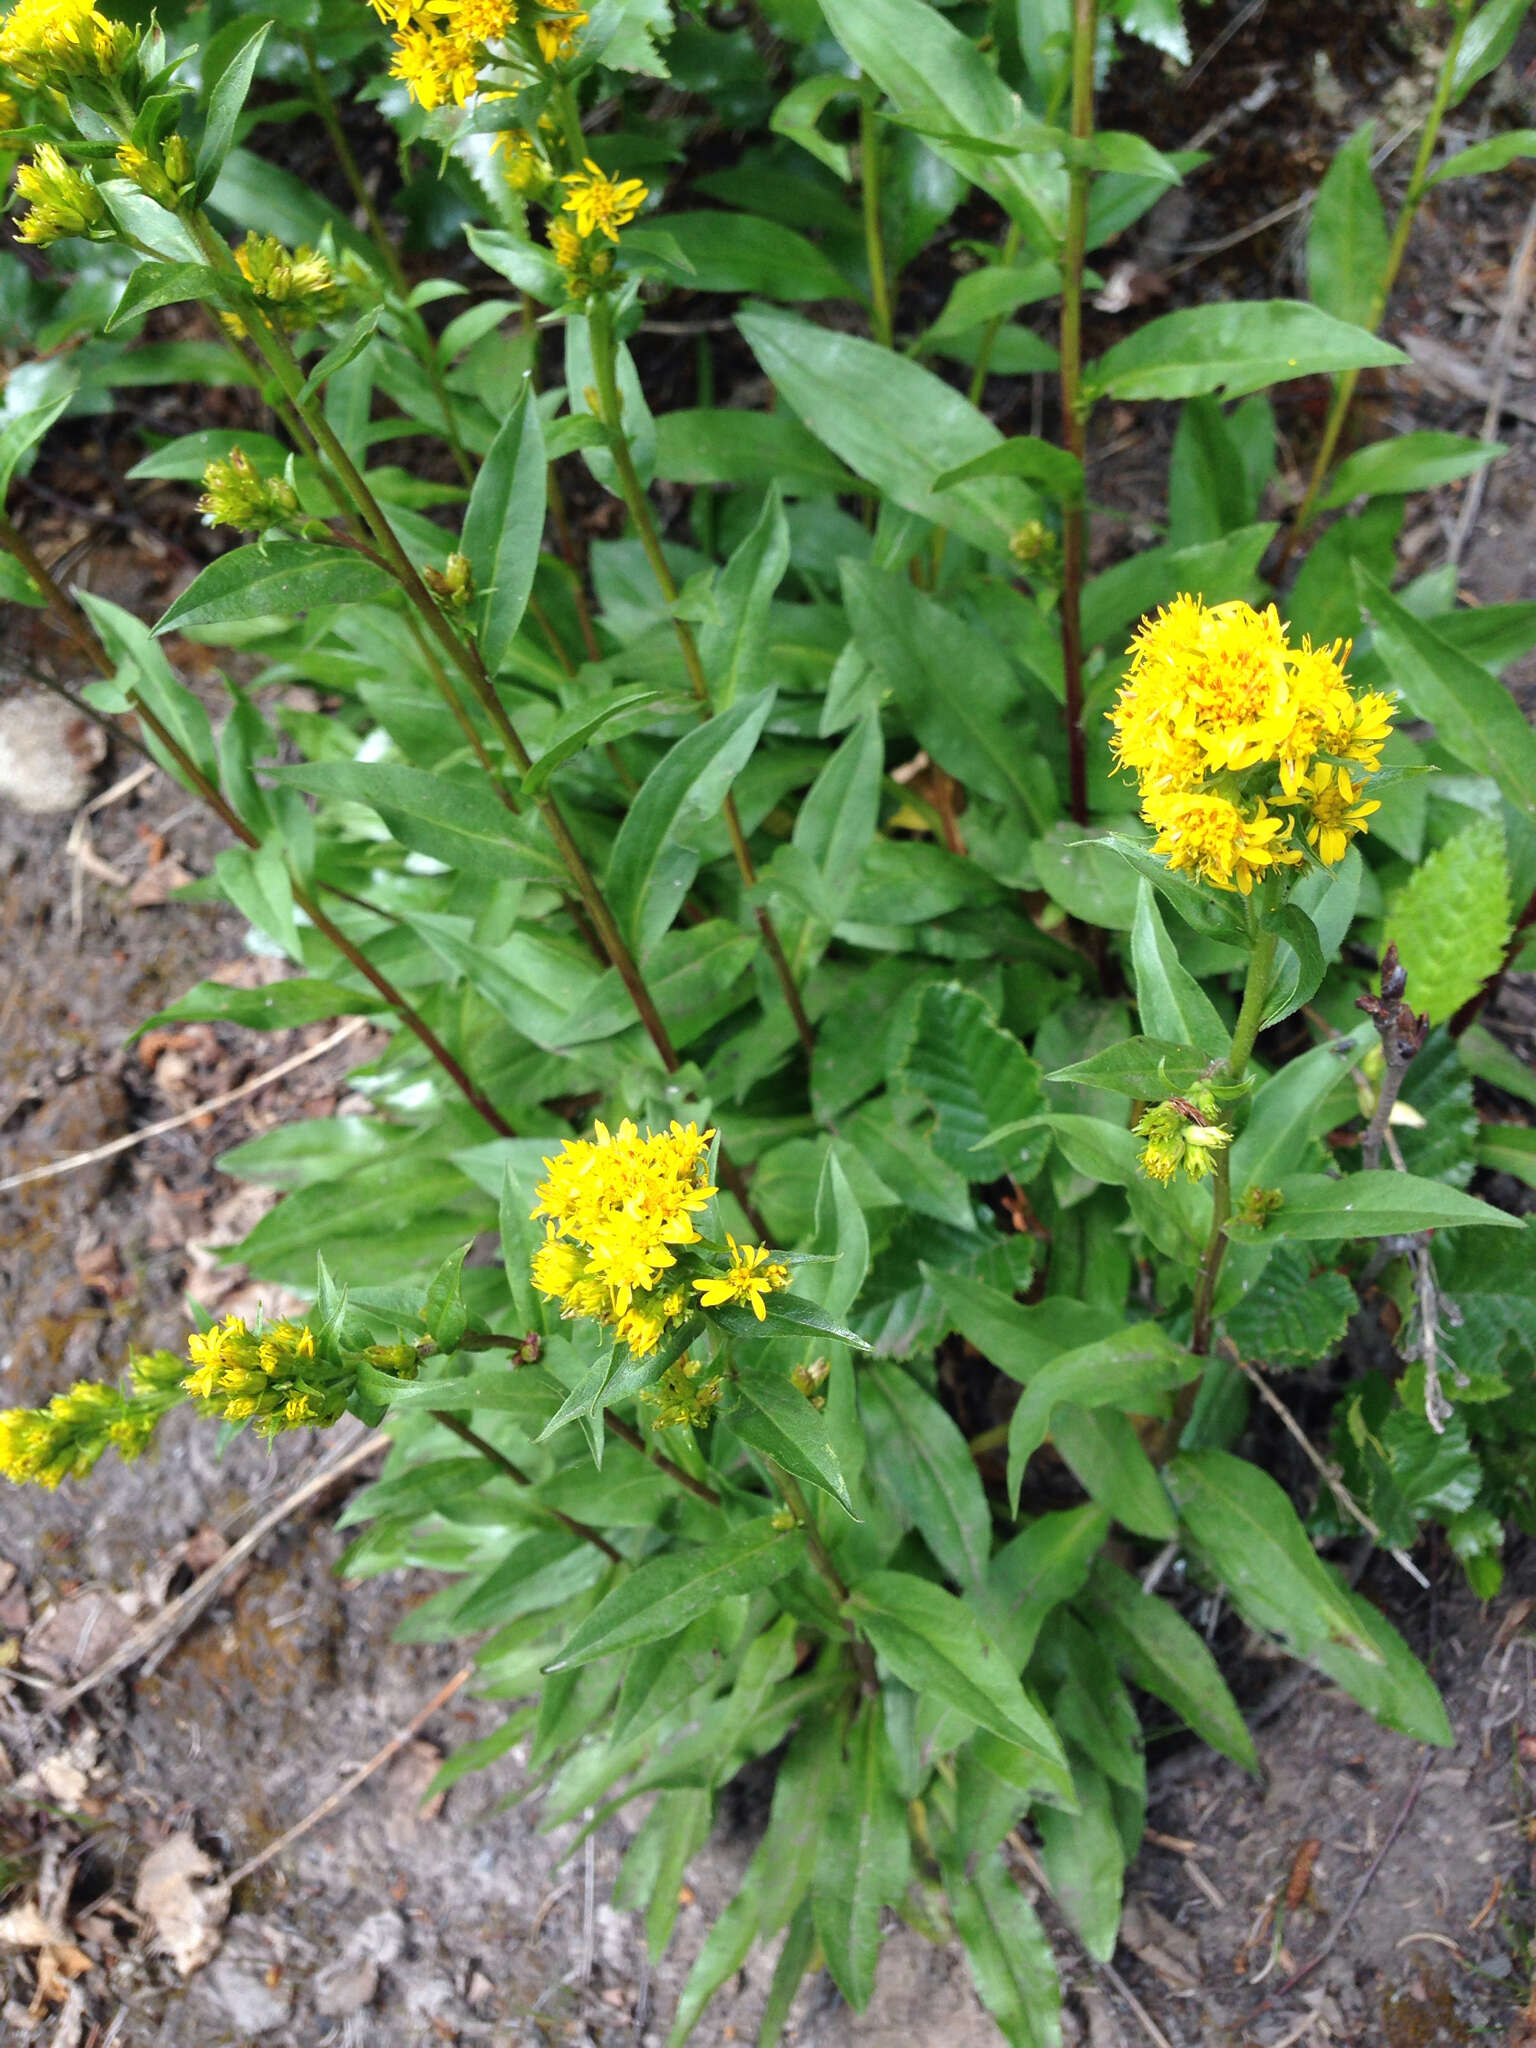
(600, 204)
(61, 200)
(1220, 717)
(1181, 1133)
(269, 1376)
(42, 1446)
(617, 1204)
(235, 493)
(50, 45)
(441, 45)
(298, 286)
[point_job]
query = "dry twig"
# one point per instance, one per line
(179, 1613)
(344, 1791)
(174, 1123)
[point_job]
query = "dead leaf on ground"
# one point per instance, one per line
(55, 1960)
(77, 1634)
(155, 885)
(184, 1913)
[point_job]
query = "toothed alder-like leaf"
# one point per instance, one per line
(976, 1076)
(1289, 1315)
(1450, 921)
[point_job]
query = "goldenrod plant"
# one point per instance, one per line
(823, 931)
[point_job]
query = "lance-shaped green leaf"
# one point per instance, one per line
(652, 865)
(733, 643)
(894, 423)
(1289, 1108)
(225, 105)
(1485, 157)
(1145, 1068)
(503, 527)
(933, 1643)
(144, 670)
(1348, 238)
(921, 1467)
(276, 578)
(1236, 347)
(460, 823)
(660, 1597)
(937, 77)
(1156, 1647)
(1171, 1002)
(774, 1417)
(1380, 1204)
(1248, 1533)
(574, 729)
(1408, 462)
(1133, 1371)
(1084, 1859)
(169, 284)
(1026, 455)
(21, 432)
(864, 1858)
(1009, 1955)
(1473, 712)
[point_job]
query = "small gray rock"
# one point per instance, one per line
(352, 1980)
(49, 754)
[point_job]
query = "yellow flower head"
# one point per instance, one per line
(42, 1446)
(1334, 812)
(560, 28)
(1217, 840)
(1220, 715)
(299, 283)
(475, 21)
(626, 1200)
(436, 65)
(1180, 1133)
(566, 246)
(10, 113)
(602, 204)
(751, 1277)
(55, 43)
(526, 171)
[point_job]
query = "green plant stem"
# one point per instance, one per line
(503, 1463)
(821, 1557)
(279, 356)
(1413, 198)
(1074, 411)
(325, 107)
(637, 1442)
(881, 323)
(1261, 963)
(1012, 243)
(86, 639)
(632, 491)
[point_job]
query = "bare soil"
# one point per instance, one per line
(1362, 1891)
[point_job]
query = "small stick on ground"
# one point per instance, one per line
(344, 1791)
(178, 1614)
(1336, 1935)
(174, 1123)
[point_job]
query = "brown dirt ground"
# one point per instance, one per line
(385, 1926)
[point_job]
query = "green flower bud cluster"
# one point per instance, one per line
(454, 584)
(235, 493)
(61, 201)
(297, 287)
(681, 1399)
(168, 181)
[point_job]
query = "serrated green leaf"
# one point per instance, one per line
(1289, 1315)
(1450, 921)
(976, 1076)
